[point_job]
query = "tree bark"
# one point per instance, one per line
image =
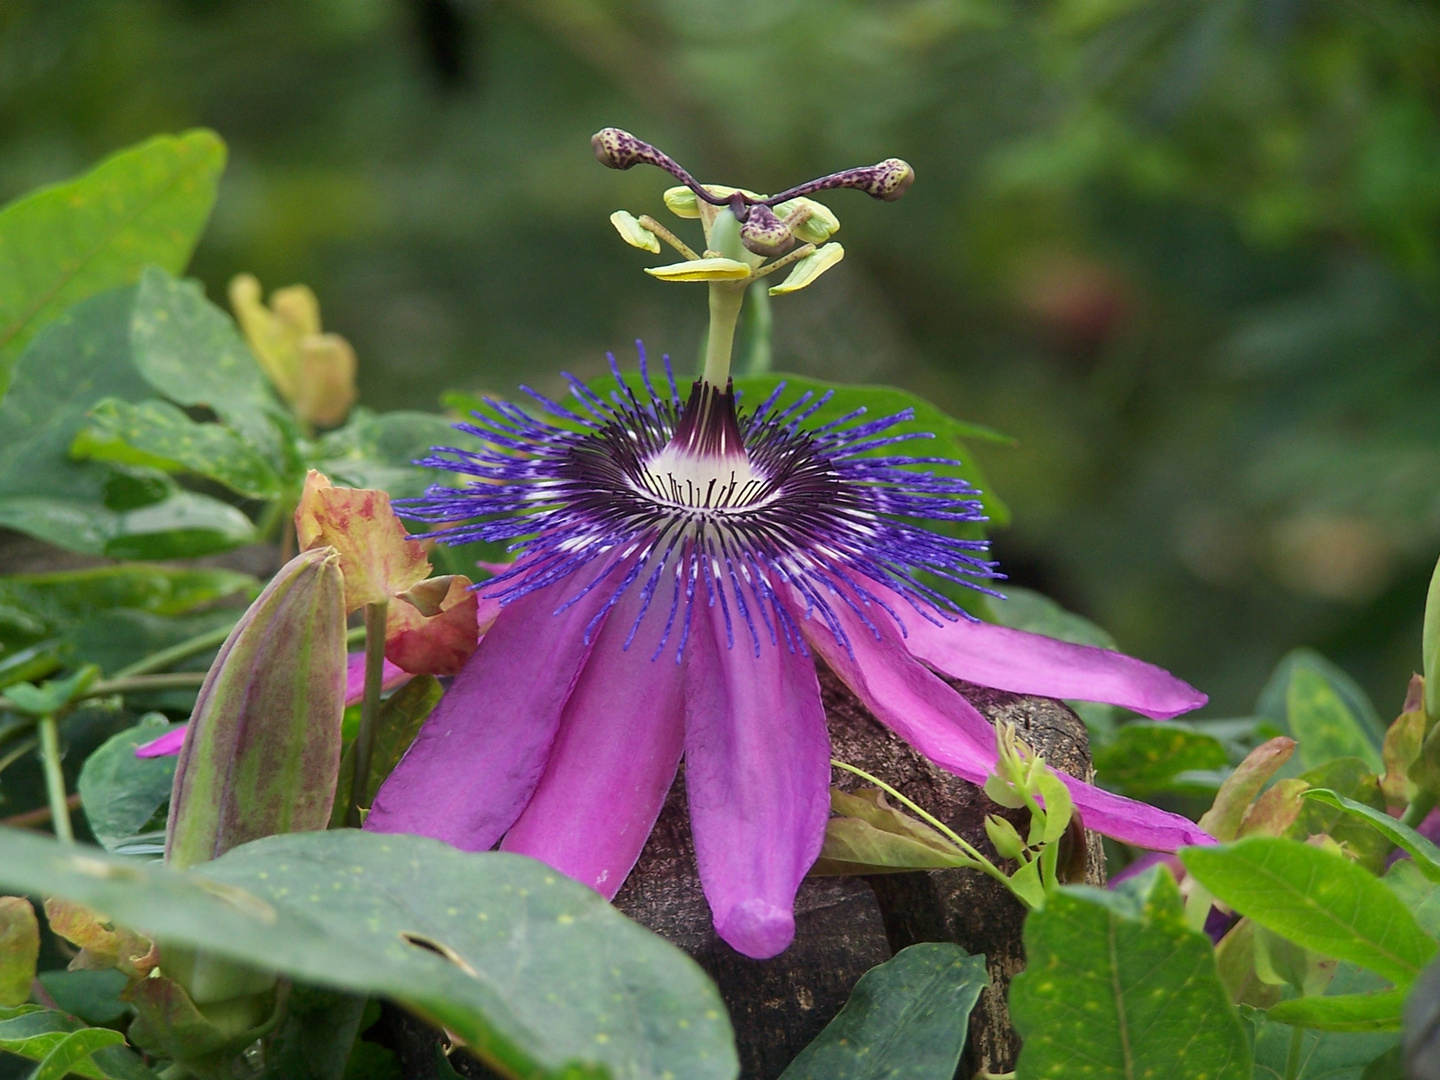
(845, 926)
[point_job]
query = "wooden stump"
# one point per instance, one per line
(845, 926)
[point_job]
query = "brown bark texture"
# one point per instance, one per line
(845, 926)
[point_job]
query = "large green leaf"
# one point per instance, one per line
(1376, 1011)
(60, 1042)
(380, 451)
(1144, 758)
(123, 794)
(164, 434)
(905, 1020)
(192, 353)
(82, 356)
(536, 973)
(61, 244)
(1316, 899)
(63, 599)
(1274, 698)
(1117, 985)
(1323, 724)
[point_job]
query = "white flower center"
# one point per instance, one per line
(703, 482)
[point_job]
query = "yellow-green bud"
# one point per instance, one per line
(1002, 834)
(262, 753)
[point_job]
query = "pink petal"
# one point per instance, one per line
(479, 755)
(391, 677)
(164, 746)
(614, 758)
(923, 710)
(1025, 663)
(757, 774)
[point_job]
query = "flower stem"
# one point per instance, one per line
(183, 650)
(369, 708)
(54, 778)
(1418, 810)
(1292, 1061)
(968, 849)
(726, 298)
(139, 684)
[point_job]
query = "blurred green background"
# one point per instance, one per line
(1186, 251)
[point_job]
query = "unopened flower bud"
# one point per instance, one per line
(262, 752)
(616, 149)
(1003, 835)
(891, 179)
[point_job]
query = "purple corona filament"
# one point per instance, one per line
(701, 499)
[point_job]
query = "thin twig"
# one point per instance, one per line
(39, 816)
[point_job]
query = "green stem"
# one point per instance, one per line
(183, 650)
(955, 838)
(1292, 1060)
(726, 298)
(369, 708)
(54, 778)
(139, 684)
(1418, 810)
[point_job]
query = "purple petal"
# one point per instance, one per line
(614, 758)
(1025, 663)
(164, 746)
(479, 755)
(922, 709)
(757, 775)
(390, 677)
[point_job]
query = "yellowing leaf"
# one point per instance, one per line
(325, 390)
(102, 944)
(714, 269)
(19, 949)
(809, 268)
(431, 629)
(633, 233)
(377, 557)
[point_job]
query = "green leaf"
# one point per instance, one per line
(147, 204)
(1425, 853)
(162, 433)
(399, 722)
(871, 836)
(1353, 779)
(37, 1033)
(19, 949)
(905, 1020)
(380, 451)
(1320, 1055)
(1117, 985)
(82, 356)
(123, 795)
(1378, 1011)
(1024, 609)
(1316, 899)
(314, 1040)
(1323, 723)
(535, 972)
(1242, 786)
(1417, 892)
(192, 352)
(94, 996)
(1146, 757)
(74, 1048)
(1273, 701)
(63, 599)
